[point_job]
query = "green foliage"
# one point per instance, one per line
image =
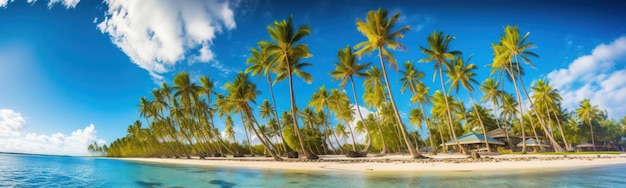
(501, 150)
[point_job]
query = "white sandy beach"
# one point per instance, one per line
(398, 163)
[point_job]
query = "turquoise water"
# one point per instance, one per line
(54, 171)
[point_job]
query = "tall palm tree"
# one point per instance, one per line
(585, 113)
(285, 50)
(241, 92)
(411, 79)
(462, 74)
(260, 63)
(440, 53)
(377, 28)
(345, 70)
(512, 46)
(375, 97)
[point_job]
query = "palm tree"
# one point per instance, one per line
(377, 28)
(345, 70)
(492, 93)
(267, 111)
(585, 113)
(548, 101)
(510, 49)
(260, 63)
(339, 103)
(320, 102)
(462, 74)
(422, 97)
(411, 79)
(440, 53)
(375, 97)
(285, 51)
(509, 111)
(241, 92)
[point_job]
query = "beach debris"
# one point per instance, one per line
(354, 154)
(293, 155)
(238, 155)
(475, 155)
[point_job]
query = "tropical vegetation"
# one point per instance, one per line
(194, 118)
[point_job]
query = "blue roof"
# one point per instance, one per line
(532, 142)
(475, 138)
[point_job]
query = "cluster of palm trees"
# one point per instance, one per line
(182, 118)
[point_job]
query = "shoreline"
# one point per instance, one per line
(399, 163)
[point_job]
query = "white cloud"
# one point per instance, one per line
(595, 76)
(4, 3)
(67, 3)
(158, 34)
(11, 122)
(12, 139)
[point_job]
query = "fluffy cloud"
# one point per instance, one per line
(67, 3)
(12, 139)
(596, 76)
(10, 122)
(158, 34)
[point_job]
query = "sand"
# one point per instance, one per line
(399, 163)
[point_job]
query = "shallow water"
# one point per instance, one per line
(55, 171)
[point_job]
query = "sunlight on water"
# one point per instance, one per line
(47, 171)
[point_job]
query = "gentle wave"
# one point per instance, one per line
(54, 171)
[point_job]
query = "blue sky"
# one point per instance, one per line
(73, 71)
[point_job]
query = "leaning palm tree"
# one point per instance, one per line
(260, 63)
(492, 93)
(345, 70)
(548, 101)
(422, 98)
(462, 74)
(440, 53)
(241, 92)
(585, 113)
(377, 28)
(510, 49)
(285, 51)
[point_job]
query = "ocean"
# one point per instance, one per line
(56, 171)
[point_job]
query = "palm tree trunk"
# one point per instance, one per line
(567, 146)
(521, 112)
(261, 136)
(412, 150)
(532, 125)
(557, 147)
(246, 130)
(358, 109)
(593, 142)
(294, 110)
(352, 133)
(276, 113)
(430, 136)
(449, 114)
(482, 125)
(338, 143)
(329, 125)
(382, 137)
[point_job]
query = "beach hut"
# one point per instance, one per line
(500, 134)
(584, 147)
(534, 145)
(475, 142)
